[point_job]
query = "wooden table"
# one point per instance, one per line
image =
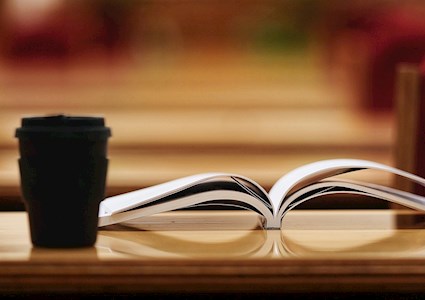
(317, 252)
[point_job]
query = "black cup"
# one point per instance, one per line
(63, 165)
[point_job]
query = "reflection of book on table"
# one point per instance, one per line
(193, 244)
(300, 185)
(335, 233)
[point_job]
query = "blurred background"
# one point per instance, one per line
(255, 87)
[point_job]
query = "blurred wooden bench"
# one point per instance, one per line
(256, 119)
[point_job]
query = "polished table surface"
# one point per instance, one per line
(199, 252)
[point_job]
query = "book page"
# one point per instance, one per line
(245, 199)
(307, 174)
(325, 187)
(127, 201)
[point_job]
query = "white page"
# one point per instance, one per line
(140, 197)
(187, 201)
(129, 200)
(324, 169)
(353, 187)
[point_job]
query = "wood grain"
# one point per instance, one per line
(373, 258)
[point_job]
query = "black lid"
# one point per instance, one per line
(61, 126)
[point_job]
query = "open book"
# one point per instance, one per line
(300, 185)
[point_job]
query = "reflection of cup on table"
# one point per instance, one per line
(63, 168)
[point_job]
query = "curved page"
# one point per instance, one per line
(128, 201)
(307, 174)
(350, 187)
(246, 200)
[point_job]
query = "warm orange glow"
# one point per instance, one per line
(253, 87)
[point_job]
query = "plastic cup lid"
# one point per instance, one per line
(61, 126)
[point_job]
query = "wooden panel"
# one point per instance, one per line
(257, 127)
(409, 118)
(200, 82)
(129, 170)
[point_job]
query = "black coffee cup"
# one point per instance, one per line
(63, 165)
